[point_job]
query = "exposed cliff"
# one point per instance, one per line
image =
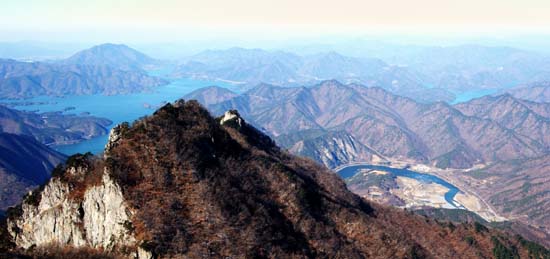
(78, 207)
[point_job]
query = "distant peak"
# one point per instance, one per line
(110, 45)
(331, 82)
(331, 54)
(263, 88)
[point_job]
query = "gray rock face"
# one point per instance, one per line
(55, 219)
(114, 136)
(106, 215)
(101, 219)
(334, 149)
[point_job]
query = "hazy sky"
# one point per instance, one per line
(164, 20)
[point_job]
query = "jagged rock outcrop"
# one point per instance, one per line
(114, 136)
(53, 220)
(57, 216)
(106, 216)
(231, 116)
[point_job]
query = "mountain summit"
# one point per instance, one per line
(117, 56)
(182, 183)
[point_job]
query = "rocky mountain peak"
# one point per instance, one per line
(231, 116)
(114, 136)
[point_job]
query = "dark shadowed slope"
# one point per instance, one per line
(24, 164)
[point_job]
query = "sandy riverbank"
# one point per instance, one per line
(415, 193)
(418, 194)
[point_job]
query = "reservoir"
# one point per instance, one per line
(425, 178)
(117, 108)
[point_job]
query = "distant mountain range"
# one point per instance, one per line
(469, 67)
(537, 92)
(255, 66)
(426, 74)
(525, 118)
(386, 125)
(24, 164)
(106, 69)
(458, 68)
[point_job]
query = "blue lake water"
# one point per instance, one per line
(117, 108)
(425, 178)
(469, 95)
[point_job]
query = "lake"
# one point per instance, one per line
(117, 108)
(469, 95)
(425, 178)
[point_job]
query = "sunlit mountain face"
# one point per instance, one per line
(351, 129)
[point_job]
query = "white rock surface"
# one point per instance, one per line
(105, 215)
(98, 221)
(55, 219)
(231, 116)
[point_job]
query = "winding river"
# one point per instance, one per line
(351, 170)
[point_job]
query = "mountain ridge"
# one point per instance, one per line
(376, 118)
(250, 67)
(20, 80)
